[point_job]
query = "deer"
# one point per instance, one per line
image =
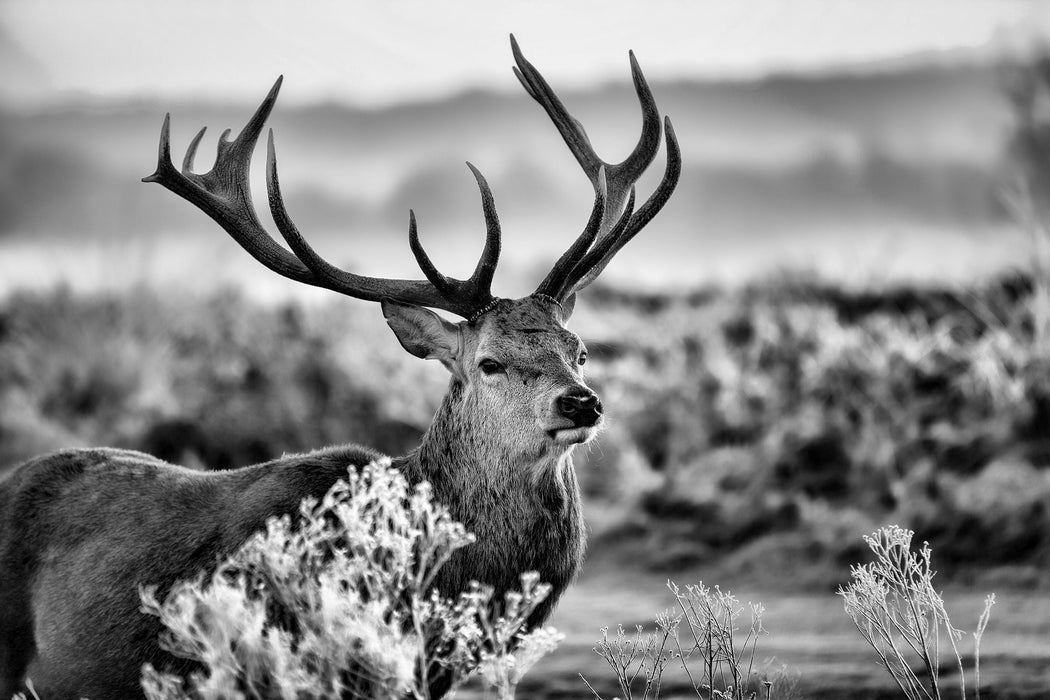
(81, 530)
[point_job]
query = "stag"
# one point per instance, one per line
(81, 530)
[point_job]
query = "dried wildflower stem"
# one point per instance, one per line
(684, 656)
(589, 686)
(982, 623)
(718, 648)
(895, 607)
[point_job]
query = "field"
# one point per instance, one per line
(807, 631)
(754, 436)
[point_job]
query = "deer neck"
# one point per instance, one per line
(474, 475)
(525, 510)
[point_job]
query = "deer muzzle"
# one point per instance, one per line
(581, 406)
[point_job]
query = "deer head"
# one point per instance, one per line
(512, 361)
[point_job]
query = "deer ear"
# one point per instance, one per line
(421, 331)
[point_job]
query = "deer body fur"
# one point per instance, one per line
(82, 530)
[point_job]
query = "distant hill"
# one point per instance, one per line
(766, 163)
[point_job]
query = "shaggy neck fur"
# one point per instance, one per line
(524, 509)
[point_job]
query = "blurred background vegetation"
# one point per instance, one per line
(757, 431)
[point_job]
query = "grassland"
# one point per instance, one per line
(807, 632)
(748, 430)
(754, 435)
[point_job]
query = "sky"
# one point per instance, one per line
(759, 157)
(379, 53)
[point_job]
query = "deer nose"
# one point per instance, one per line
(581, 406)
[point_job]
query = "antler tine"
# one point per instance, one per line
(191, 152)
(554, 282)
(599, 256)
(481, 280)
(222, 193)
(443, 284)
(330, 276)
(620, 176)
(597, 253)
(613, 182)
(571, 129)
(478, 287)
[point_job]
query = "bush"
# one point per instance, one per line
(901, 615)
(711, 637)
(339, 603)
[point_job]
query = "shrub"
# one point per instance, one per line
(901, 615)
(715, 649)
(339, 603)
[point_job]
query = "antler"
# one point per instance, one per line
(223, 193)
(608, 230)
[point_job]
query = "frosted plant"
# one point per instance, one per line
(708, 639)
(645, 655)
(901, 615)
(340, 603)
(725, 651)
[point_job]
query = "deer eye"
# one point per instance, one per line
(582, 359)
(489, 366)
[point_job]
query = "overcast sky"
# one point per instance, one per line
(382, 52)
